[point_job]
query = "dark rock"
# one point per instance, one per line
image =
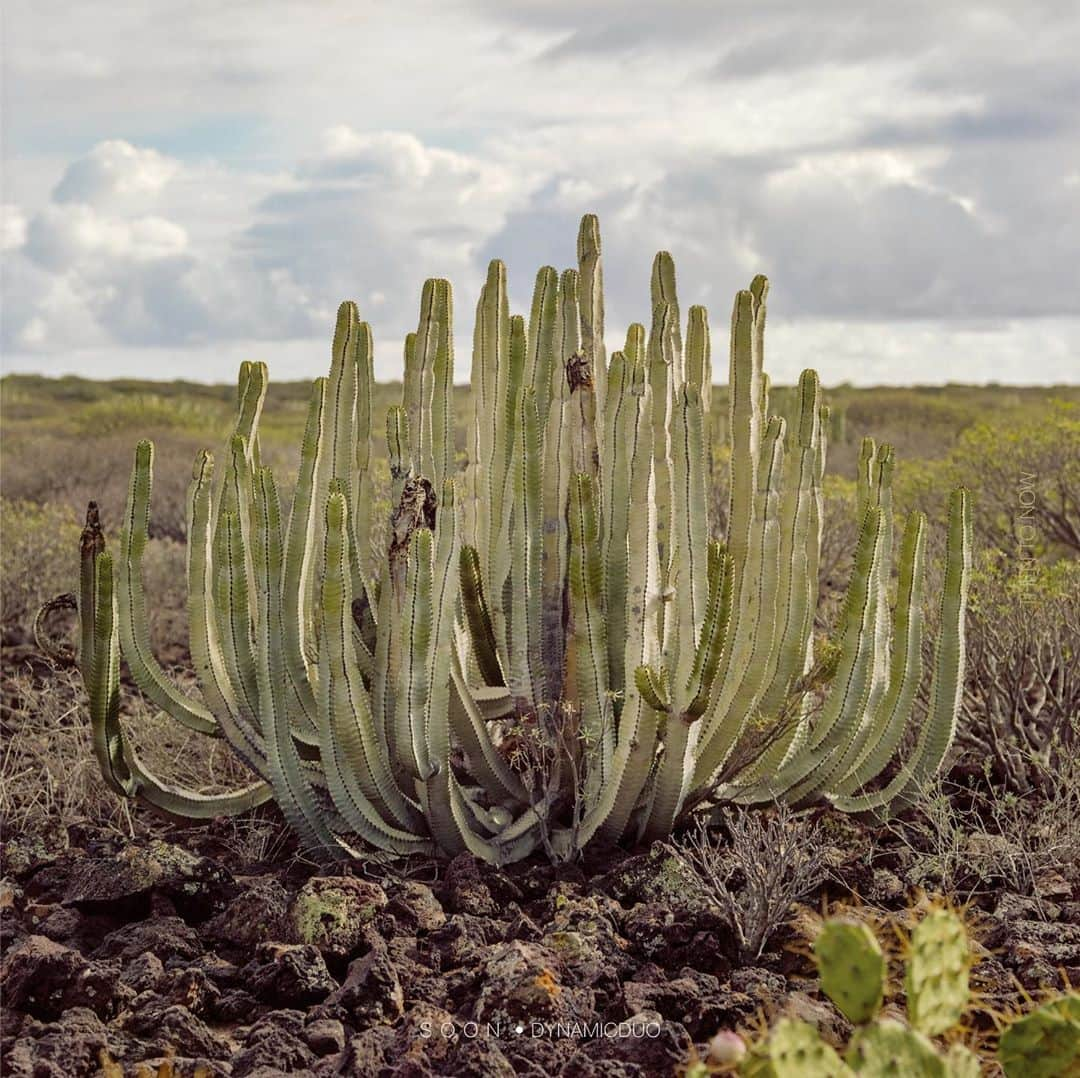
(46, 978)
(288, 974)
(371, 993)
(762, 984)
(521, 983)
(416, 908)
(69, 1047)
(234, 1005)
(463, 940)
(63, 925)
(644, 1045)
(257, 914)
(274, 1042)
(170, 1029)
(332, 912)
(165, 937)
(364, 1054)
(126, 881)
(659, 876)
(465, 889)
(41, 840)
(142, 973)
(325, 1036)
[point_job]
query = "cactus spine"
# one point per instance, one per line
(564, 587)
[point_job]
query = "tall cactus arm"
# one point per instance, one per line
(507, 435)
(478, 617)
(753, 633)
(797, 587)
(102, 676)
(542, 361)
(663, 292)
(361, 492)
(134, 625)
(591, 275)
(435, 792)
(499, 420)
(357, 773)
(906, 664)
(251, 395)
(558, 468)
(231, 604)
(399, 449)
(586, 636)
(428, 387)
(662, 355)
(699, 369)
(631, 431)
(526, 674)
(714, 632)
(805, 775)
(690, 534)
(416, 621)
(939, 726)
(245, 738)
(292, 789)
(744, 426)
(302, 555)
(120, 764)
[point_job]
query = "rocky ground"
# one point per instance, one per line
(119, 955)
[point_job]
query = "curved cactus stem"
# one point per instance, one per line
(525, 676)
(478, 616)
(292, 788)
(939, 727)
(134, 626)
(357, 772)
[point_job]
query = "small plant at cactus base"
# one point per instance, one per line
(550, 645)
(1044, 1043)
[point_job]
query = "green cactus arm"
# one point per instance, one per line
(416, 621)
(714, 632)
(251, 395)
(120, 765)
(699, 369)
(864, 476)
(103, 682)
(653, 687)
(470, 727)
(245, 738)
(586, 634)
(744, 426)
(133, 623)
(478, 616)
(803, 775)
(542, 361)
(499, 358)
(434, 792)
(292, 789)
(361, 492)
(526, 676)
(753, 631)
(797, 587)
(399, 449)
(428, 387)
(591, 276)
(493, 851)
(663, 292)
(906, 663)
(690, 536)
(662, 355)
(558, 469)
(507, 434)
(231, 604)
(939, 726)
(630, 428)
(302, 556)
(357, 773)
(635, 747)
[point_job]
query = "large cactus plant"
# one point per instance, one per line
(549, 645)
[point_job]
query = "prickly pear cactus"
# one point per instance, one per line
(852, 968)
(793, 1050)
(962, 1062)
(889, 1049)
(1044, 1043)
(937, 973)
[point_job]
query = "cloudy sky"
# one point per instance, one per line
(188, 184)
